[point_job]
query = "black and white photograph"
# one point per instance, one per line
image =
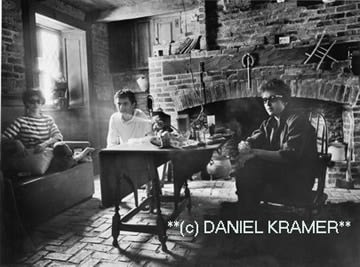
(147, 133)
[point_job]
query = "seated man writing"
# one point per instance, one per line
(128, 122)
(280, 157)
(34, 138)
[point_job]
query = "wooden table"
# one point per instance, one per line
(124, 168)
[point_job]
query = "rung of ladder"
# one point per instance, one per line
(325, 54)
(321, 55)
(316, 47)
(315, 55)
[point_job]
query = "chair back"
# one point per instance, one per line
(319, 122)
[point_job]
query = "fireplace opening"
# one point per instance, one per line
(244, 115)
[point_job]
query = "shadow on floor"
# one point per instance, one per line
(22, 241)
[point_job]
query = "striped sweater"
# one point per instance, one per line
(32, 131)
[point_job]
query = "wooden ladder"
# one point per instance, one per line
(320, 52)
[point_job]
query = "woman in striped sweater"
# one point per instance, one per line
(36, 132)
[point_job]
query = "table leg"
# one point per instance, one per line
(115, 227)
(160, 222)
(180, 179)
(177, 189)
(150, 193)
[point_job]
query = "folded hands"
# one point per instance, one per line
(245, 153)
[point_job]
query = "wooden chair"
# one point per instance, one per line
(309, 207)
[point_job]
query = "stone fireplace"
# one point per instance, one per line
(175, 83)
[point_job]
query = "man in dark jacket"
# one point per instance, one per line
(279, 158)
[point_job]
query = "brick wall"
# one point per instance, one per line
(12, 50)
(102, 79)
(259, 26)
(127, 79)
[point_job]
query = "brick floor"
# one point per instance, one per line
(81, 236)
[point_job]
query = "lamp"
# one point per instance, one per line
(143, 83)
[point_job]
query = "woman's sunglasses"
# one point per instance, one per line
(272, 98)
(34, 101)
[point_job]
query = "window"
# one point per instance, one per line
(49, 60)
(61, 61)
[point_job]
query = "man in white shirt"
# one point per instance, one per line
(128, 122)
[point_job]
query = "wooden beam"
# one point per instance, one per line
(30, 51)
(146, 9)
(60, 16)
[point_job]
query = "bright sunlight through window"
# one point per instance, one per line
(49, 52)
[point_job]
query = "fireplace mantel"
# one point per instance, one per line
(175, 80)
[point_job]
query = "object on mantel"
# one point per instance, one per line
(188, 45)
(176, 48)
(320, 52)
(248, 61)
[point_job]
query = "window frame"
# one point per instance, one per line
(29, 11)
(61, 55)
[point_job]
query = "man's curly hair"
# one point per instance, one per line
(277, 86)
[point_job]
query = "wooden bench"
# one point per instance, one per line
(36, 199)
